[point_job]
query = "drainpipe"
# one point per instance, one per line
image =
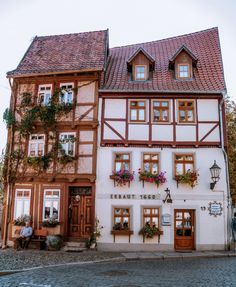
(229, 212)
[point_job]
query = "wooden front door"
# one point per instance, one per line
(184, 229)
(80, 212)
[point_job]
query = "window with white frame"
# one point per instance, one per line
(67, 141)
(51, 204)
(36, 145)
(22, 202)
(45, 94)
(66, 93)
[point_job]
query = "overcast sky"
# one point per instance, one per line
(129, 22)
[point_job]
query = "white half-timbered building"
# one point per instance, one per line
(162, 127)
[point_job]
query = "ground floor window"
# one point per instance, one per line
(151, 216)
(121, 218)
(51, 204)
(22, 202)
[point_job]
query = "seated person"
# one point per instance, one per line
(25, 235)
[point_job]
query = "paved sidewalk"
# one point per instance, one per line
(27, 259)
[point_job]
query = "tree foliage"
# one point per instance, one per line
(231, 136)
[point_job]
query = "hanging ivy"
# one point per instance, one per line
(9, 118)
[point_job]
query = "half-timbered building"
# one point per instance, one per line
(52, 143)
(162, 128)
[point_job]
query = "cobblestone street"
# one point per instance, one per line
(166, 273)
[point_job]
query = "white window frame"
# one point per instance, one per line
(23, 199)
(51, 199)
(65, 146)
(184, 72)
(36, 142)
(45, 94)
(67, 92)
(136, 73)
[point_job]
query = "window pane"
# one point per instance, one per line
(187, 215)
(155, 168)
(147, 219)
(117, 166)
(182, 115)
(141, 115)
(189, 166)
(164, 104)
(47, 207)
(133, 115)
(117, 219)
(125, 211)
(179, 224)
(18, 208)
(147, 166)
(40, 149)
(164, 115)
(134, 104)
(189, 157)
(55, 209)
(147, 211)
(190, 115)
(179, 168)
(70, 148)
(26, 207)
(118, 211)
(156, 104)
(179, 157)
(179, 215)
(126, 166)
(141, 104)
(156, 115)
(19, 193)
(32, 149)
(147, 156)
(125, 156)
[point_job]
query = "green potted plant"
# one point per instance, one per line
(20, 221)
(50, 222)
(92, 240)
(157, 178)
(54, 242)
(148, 231)
(190, 178)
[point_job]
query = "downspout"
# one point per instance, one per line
(229, 212)
(9, 184)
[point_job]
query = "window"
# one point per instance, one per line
(151, 162)
(122, 218)
(137, 111)
(122, 161)
(140, 73)
(45, 94)
(183, 163)
(66, 93)
(22, 202)
(36, 145)
(186, 111)
(160, 111)
(51, 203)
(67, 141)
(151, 216)
(183, 71)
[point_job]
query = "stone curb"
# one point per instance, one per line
(122, 259)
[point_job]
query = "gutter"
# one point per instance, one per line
(229, 206)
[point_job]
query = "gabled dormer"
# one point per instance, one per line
(140, 65)
(182, 63)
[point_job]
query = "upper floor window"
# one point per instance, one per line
(183, 71)
(51, 203)
(67, 141)
(140, 72)
(36, 145)
(22, 202)
(45, 94)
(160, 111)
(66, 93)
(151, 162)
(186, 111)
(183, 163)
(137, 111)
(122, 161)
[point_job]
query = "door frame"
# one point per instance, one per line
(193, 210)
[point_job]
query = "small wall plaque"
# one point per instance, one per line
(166, 219)
(215, 208)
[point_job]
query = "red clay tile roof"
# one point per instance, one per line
(71, 52)
(208, 77)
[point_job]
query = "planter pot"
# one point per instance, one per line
(53, 230)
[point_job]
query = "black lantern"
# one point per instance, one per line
(215, 174)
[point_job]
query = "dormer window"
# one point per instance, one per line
(183, 71)
(140, 73)
(140, 65)
(183, 63)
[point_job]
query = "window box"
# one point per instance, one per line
(121, 233)
(157, 178)
(53, 230)
(190, 177)
(149, 231)
(122, 177)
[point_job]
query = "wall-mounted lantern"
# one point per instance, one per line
(215, 175)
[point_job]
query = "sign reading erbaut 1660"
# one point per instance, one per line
(215, 208)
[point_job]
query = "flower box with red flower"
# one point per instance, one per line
(122, 177)
(190, 178)
(157, 178)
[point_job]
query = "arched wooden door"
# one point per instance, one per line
(80, 212)
(184, 220)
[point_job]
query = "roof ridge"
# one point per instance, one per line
(169, 38)
(70, 34)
